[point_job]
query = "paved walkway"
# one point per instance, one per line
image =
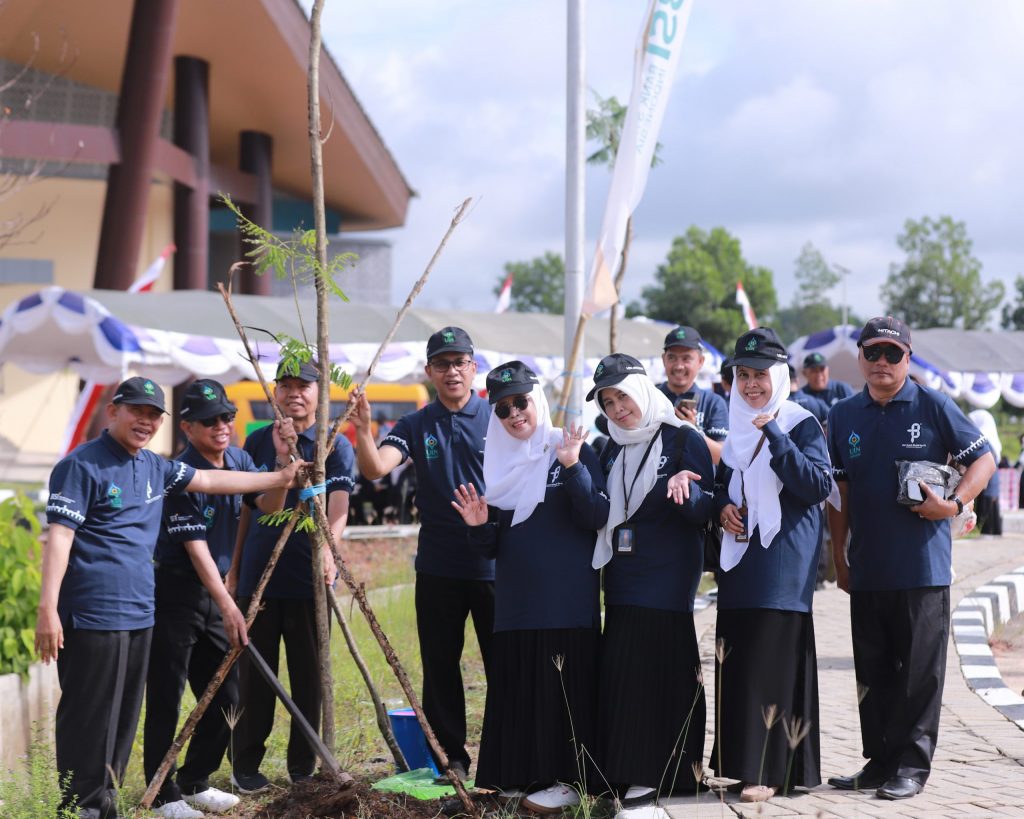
(978, 770)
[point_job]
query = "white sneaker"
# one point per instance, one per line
(177, 810)
(552, 800)
(637, 795)
(212, 799)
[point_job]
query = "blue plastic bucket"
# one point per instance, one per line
(409, 736)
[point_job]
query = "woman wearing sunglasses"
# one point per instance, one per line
(545, 502)
(774, 475)
(660, 481)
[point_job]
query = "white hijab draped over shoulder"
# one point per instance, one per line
(655, 410)
(516, 472)
(752, 476)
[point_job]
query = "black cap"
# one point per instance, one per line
(205, 398)
(812, 360)
(449, 340)
(612, 369)
(140, 391)
(885, 330)
(510, 378)
(759, 349)
(307, 371)
(684, 336)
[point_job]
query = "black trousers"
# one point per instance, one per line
(442, 605)
(102, 675)
(189, 643)
(899, 652)
(294, 621)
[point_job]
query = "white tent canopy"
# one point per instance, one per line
(104, 335)
(977, 366)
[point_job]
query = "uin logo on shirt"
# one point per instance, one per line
(854, 442)
(114, 493)
(553, 479)
(431, 447)
(208, 514)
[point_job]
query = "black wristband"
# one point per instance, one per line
(959, 504)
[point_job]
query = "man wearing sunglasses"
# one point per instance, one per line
(197, 621)
(445, 441)
(899, 566)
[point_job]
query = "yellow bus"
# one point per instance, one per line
(389, 402)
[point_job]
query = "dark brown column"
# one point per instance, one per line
(143, 90)
(255, 152)
(192, 205)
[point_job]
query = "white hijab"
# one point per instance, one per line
(655, 410)
(986, 424)
(516, 472)
(753, 476)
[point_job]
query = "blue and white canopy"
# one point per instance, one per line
(977, 366)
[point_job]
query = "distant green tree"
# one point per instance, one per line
(538, 286)
(1013, 314)
(939, 284)
(697, 286)
(811, 309)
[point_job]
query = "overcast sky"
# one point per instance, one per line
(790, 121)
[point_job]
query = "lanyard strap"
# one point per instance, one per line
(757, 450)
(639, 469)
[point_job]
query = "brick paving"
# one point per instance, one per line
(978, 770)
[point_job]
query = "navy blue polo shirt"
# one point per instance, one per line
(712, 410)
(113, 500)
(543, 577)
(292, 578)
(665, 569)
(199, 516)
(815, 406)
(447, 449)
(891, 547)
(782, 576)
(834, 392)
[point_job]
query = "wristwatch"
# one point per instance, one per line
(959, 504)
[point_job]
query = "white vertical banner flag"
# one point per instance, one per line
(744, 302)
(654, 69)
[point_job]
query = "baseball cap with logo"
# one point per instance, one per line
(759, 349)
(449, 340)
(812, 360)
(140, 391)
(885, 330)
(612, 369)
(306, 371)
(205, 398)
(683, 336)
(510, 378)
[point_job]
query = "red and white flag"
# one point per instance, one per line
(654, 69)
(744, 302)
(505, 296)
(89, 397)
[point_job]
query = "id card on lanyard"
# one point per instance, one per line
(624, 535)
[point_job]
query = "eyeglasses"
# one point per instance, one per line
(223, 418)
(892, 353)
(503, 410)
(441, 366)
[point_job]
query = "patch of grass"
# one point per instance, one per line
(31, 790)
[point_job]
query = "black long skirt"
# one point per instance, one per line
(769, 677)
(541, 713)
(651, 700)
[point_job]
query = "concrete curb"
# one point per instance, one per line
(974, 620)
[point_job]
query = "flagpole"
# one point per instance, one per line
(575, 143)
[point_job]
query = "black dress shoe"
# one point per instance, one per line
(865, 779)
(899, 787)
